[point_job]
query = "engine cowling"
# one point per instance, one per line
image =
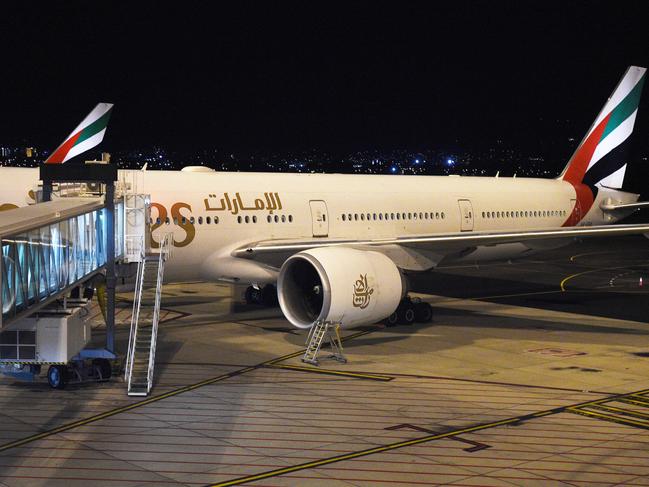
(338, 284)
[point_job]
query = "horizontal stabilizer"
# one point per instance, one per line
(626, 206)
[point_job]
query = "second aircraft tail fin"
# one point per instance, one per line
(89, 133)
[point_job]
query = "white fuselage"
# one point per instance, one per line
(252, 207)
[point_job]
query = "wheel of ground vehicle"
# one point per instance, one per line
(104, 367)
(57, 376)
(423, 313)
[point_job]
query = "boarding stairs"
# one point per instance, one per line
(315, 339)
(140, 360)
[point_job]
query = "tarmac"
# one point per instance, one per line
(534, 372)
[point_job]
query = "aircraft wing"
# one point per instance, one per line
(435, 246)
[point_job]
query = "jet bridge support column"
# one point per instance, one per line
(92, 173)
(110, 266)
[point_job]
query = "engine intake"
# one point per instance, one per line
(338, 284)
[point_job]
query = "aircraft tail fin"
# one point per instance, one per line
(89, 133)
(601, 158)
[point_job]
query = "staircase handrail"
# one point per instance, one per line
(139, 282)
(165, 251)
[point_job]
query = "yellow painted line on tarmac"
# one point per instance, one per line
(362, 453)
(565, 280)
(627, 412)
(606, 417)
(316, 370)
(153, 399)
(576, 409)
(636, 401)
(122, 409)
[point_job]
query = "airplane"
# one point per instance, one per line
(341, 248)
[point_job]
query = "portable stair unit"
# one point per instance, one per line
(316, 338)
(140, 360)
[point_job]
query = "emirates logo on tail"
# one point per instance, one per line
(362, 292)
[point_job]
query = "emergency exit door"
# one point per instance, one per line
(319, 218)
(466, 215)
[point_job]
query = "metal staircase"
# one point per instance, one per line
(315, 338)
(140, 360)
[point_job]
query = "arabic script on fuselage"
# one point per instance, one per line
(270, 202)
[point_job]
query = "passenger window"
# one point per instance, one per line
(290, 218)
(254, 218)
(208, 220)
(200, 220)
(284, 218)
(216, 220)
(276, 219)
(442, 215)
(239, 219)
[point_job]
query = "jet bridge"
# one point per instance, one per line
(54, 248)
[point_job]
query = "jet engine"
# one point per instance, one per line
(338, 284)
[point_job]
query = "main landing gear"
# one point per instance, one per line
(410, 311)
(264, 296)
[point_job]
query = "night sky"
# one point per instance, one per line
(268, 76)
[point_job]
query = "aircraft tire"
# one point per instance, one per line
(406, 314)
(392, 320)
(269, 296)
(423, 313)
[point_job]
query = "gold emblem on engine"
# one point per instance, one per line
(362, 292)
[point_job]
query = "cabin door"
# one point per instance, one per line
(466, 215)
(576, 212)
(319, 218)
